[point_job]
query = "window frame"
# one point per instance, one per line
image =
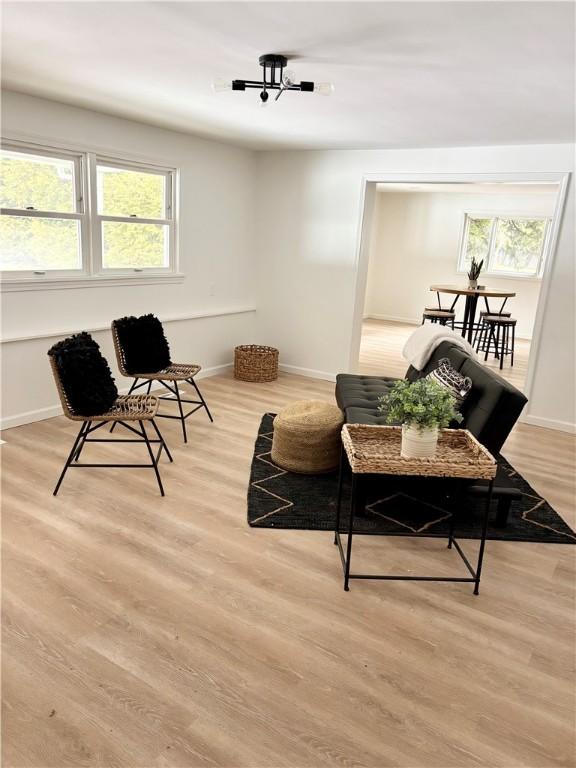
(495, 217)
(98, 219)
(79, 214)
(92, 273)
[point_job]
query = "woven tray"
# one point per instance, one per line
(375, 449)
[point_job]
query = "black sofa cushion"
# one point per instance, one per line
(489, 412)
(143, 343)
(85, 375)
(358, 397)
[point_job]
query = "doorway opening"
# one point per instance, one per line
(418, 238)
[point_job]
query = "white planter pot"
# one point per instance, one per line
(472, 284)
(418, 444)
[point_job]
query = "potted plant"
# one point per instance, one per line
(422, 407)
(474, 273)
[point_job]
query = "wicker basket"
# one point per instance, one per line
(253, 362)
(376, 449)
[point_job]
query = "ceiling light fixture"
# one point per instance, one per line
(275, 77)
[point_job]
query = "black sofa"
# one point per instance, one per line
(490, 410)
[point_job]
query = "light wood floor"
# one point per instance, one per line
(140, 631)
(382, 342)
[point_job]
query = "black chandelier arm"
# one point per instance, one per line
(241, 85)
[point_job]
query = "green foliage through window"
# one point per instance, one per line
(43, 219)
(511, 246)
(39, 244)
(130, 193)
(126, 245)
(34, 181)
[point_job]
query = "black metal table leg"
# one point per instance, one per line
(483, 539)
(339, 498)
(466, 316)
(350, 532)
(471, 316)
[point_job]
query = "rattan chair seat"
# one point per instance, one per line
(174, 372)
(126, 408)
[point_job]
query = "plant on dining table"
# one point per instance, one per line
(474, 272)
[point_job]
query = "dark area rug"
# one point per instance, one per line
(280, 499)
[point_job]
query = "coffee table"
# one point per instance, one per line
(371, 449)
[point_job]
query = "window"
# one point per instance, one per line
(67, 216)
(134, 217)
(511, 246)
(42, 213)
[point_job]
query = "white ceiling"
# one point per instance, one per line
(406, 74)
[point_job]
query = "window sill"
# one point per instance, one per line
(100, 281)
(499, 276)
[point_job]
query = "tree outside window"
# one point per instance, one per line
(509, 246)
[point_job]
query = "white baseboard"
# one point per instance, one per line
(394, 319)
(27, 417)
(538, 421)
(310, 372)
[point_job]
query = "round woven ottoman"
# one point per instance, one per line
(307, 437)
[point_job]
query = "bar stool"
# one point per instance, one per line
(495, 336)
(478, 325)
(442, 316)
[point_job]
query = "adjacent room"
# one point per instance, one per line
(424, 235)
(288, 370)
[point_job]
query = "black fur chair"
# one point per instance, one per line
(143, 353)
(88, 395)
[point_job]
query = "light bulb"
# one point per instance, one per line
(288, 78)
(220, 85)
(263, 98)
(324, 88)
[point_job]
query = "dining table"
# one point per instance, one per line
(472, 295)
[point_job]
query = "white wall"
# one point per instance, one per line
(300, 258)
(216, 251)
(415, 244)
(309, 207)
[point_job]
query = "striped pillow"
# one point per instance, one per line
(448, 377)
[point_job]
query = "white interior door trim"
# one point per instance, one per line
(367, 199)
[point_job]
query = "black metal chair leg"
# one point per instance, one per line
(113, 427)
(513, 344)
(161, 439)
(152, 457)
(191, 381)
(81, 434)
(149, 387)
(182, 419)
(487, 342)
(82, 442)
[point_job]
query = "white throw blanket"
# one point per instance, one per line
(422, 343)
